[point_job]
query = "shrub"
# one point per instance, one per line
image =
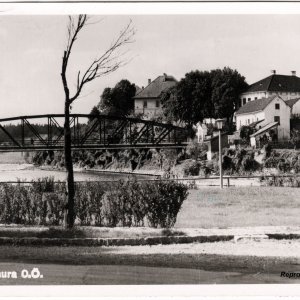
(164, 202)
(195, 150)
(249, 164)
(245, 133)
(123, 203)
(279, 181)
(267, 150)
(227, 163)
(191, 168)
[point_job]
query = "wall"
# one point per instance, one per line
(296, 108)
(201, 132)
(268, 115)
(259, 95)
(285, 114)
(151, 109)
(252, 96)
(246, 119)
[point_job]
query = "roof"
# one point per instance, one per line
(208, 139)
(253, 124)
(255, 105)
(137, 89)
(276, 83)
(291, 102)
(157, 86)
(264, 129)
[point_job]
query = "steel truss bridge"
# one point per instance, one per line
(87, 132)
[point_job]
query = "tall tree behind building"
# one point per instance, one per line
(118, 100)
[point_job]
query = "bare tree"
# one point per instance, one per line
(104, 64)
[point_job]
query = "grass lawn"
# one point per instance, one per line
(210, 207)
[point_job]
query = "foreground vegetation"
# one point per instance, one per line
(122, 203)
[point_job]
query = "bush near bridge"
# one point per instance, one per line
(249, 161)
(122, 203)
(131, 159)
(181, 163)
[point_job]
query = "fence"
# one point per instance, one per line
(191, 181)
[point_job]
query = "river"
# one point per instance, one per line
(27, 172)
(13, 167)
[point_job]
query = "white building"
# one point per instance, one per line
(147, 101)
(294, 104)
(267, 110)
(285, 86)
(202, 131)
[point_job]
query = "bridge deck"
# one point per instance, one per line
(88, 132)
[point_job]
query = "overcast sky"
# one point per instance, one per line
(31, 49)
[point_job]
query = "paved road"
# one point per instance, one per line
(207, 263)
(56, 274)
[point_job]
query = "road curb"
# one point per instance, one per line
(161, 240)
(283, 236)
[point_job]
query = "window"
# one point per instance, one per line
(244, 101)
(277, 119)
(249, 99)
(157, 104)
(248, 121)
(277, 106)
(145, 104)
(255, 98)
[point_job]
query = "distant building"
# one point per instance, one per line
(213, 144)
(285, 86)
(294, 104)
(270, 111)
(147, 101)
(202, 131)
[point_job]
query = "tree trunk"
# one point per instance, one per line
(69, 207)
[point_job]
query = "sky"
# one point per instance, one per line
(31, 49)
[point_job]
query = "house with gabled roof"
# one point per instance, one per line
(294, 104)
(147, 101)
(285, 86)
(272, 110)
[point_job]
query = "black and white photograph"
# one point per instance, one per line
(149, 148)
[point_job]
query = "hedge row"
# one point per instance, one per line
(123, 203)
(282, 181)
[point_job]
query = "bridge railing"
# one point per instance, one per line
(97, 131)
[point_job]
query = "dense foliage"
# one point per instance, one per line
(123, 203)
(245, 133)
(203, 94)
(118, 100)
(282, 181)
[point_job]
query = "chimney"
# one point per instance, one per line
(149, 81)
(273, 71)
(293, 73)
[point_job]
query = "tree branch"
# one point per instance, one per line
(106, 63)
